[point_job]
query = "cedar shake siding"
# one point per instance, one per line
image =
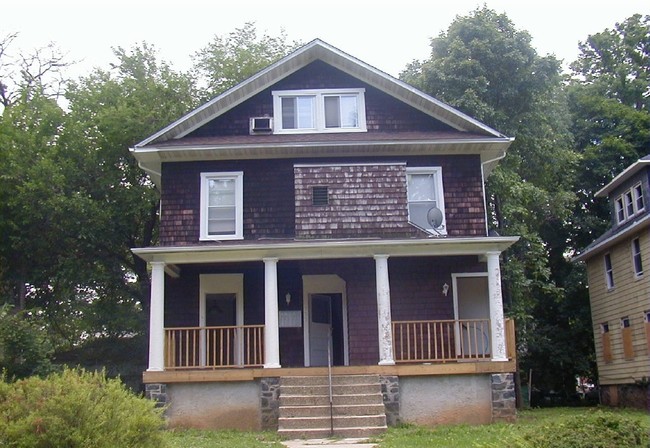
(368, 200)
(384, 113)
(359, 201)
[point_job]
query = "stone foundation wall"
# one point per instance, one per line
(270, 403)
(157, 392)
(504, 407)
(390, 392)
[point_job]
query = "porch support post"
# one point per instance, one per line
(383, 311)
(157, 318)
(271, 320)
(497, 326)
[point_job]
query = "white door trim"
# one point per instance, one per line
(221, 284)
(323, 284)
(454, 282)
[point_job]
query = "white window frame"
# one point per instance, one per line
(440, 197)
(629, 203)
(609, 271)
(238, 176)
(319, 110)
(636, 253)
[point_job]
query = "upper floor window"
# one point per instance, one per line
(222, 206)
(629, 204)
(609, 272)
(426, 199)
(636, 257)
(327, 110)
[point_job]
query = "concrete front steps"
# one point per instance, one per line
(357, 407)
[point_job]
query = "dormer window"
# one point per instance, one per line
(312, 111)
(629, 204)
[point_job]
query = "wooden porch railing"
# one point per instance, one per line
(214, 347)
(443, 340)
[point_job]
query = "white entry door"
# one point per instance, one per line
(473, 310)
(320, 329)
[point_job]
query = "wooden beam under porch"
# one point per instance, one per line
(224, 375)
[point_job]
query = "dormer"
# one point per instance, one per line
(629, 193)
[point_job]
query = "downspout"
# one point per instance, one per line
(496, 159)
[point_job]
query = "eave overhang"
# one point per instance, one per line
(324, 249)
(613, 240)
(490, 149)
(621, 178)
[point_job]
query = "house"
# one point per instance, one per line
(323, 219)
(618, 272)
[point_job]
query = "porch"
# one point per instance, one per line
(443, 347)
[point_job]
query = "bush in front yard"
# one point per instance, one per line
(76, 409)
(595, 429)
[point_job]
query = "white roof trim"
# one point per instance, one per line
(618, 180)
(324, 249)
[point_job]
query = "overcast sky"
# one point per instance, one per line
(385, 34)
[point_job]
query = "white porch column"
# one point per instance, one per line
(157, 318)
(383, 312)
(497, 326)
(271, 321)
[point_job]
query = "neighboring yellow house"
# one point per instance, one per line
(618, 268)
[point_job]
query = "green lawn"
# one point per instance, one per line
(545, 421)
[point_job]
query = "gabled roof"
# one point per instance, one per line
(173, 143)
(621, 178)
(318, 50)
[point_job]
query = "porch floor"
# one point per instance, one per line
(251, 374)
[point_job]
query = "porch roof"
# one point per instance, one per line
(324, 249)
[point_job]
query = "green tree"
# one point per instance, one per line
(610, 108)
(486, 67)
(228, 60)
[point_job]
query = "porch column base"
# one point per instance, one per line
(386, 363)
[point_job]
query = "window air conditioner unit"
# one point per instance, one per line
(261, 125)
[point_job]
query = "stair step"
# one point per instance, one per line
(357, 433)
(340, 422)
(337, 400)
(337, 410)
(342, 389)
(323, 380)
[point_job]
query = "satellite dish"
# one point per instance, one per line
(434, 217)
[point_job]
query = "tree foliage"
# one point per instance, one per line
(228, 60)
(483, 65)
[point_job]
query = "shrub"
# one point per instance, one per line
(595, 429)
(76, 409)
(24, 349)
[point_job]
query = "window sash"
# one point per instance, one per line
(609, 272)
(424, 191)
(221, 206)
(636, 258)
(327, 110)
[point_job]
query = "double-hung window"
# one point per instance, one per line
(426, 205)
(222, 206)
(609, 272)
(629, 204)
(327, 110)
(636, 258)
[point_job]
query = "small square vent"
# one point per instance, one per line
(261, 125)
(319, 196)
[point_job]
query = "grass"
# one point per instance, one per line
(493, 435)
(411, 436)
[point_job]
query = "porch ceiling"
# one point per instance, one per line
(323, 249)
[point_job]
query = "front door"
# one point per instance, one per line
(320, 329)
(473, 312)
(325, 320)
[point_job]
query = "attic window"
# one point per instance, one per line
(326, 110)
(319, 196)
